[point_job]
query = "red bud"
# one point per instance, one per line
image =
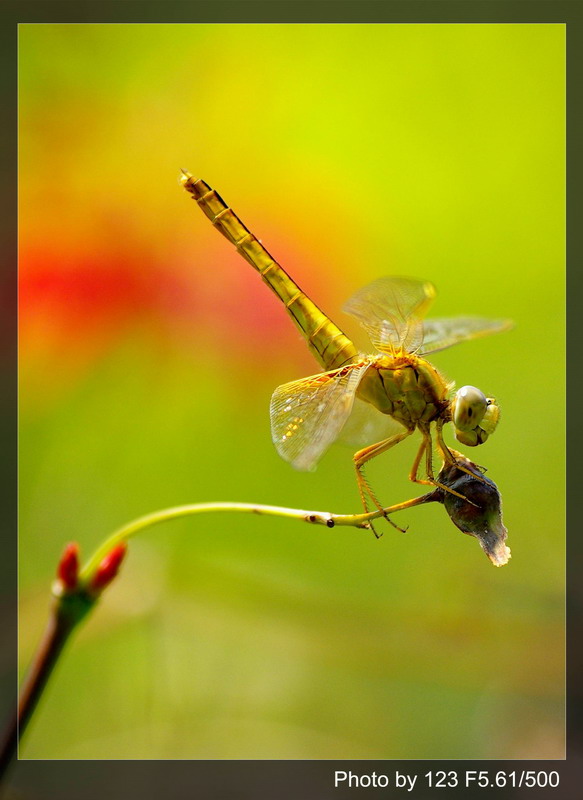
(68, 569)
(109, 566)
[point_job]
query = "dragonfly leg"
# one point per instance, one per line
(415, 468)
(365, 455)
(427, 448)
(363, 490)
(446, 454)
(449, 456)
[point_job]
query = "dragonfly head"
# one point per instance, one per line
(474, 416)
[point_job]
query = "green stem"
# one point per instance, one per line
(314, 517)
(71, 607)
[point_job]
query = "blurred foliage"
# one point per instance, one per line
(149, 350)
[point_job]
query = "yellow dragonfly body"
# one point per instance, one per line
(391, 393)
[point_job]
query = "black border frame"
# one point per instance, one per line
(225, 779)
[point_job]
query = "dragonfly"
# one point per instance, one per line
(376, 400)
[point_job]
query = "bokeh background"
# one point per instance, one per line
(149, 350)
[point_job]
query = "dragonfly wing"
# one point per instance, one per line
(367, 425)
(441, 333)
(390, 310)
(308, 415)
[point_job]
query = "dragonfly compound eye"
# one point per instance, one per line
(469, 407)
(475, 416)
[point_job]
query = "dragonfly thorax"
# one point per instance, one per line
(407, 388)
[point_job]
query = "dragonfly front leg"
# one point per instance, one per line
(449, 456)
(361, 458)
(427, 448)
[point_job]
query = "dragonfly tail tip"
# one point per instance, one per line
(185, 177)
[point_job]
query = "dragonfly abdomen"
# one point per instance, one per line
(326, 341)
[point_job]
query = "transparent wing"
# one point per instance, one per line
(441, 333)
(367, 425)
(390, 310)
(308, 415)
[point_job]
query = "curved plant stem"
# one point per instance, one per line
(72, 606)
(313, 517)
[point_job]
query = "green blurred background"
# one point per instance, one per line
(149, 350)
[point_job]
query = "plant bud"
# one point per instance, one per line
(483, 519)
(68, 569)
(108, 568)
